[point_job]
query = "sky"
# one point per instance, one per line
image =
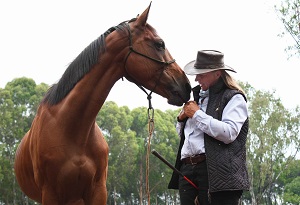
(39, 39)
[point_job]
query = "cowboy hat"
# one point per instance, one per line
(207, 61)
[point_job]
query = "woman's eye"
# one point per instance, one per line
(160, 45)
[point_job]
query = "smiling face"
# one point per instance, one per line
(206, 80)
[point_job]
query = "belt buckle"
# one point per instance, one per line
(192, 161)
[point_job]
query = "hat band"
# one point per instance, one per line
(209, 66)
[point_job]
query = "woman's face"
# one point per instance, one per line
(206, 80)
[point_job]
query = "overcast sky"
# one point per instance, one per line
(39, 39)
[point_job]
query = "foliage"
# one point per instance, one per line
(290, 180)
(274, 131)
(273, 144)
(292, 192)
(18, 103)
(129, 154)
(289, 14)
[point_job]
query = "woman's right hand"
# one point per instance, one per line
(182, 116)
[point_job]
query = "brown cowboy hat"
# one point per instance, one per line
(207, 61)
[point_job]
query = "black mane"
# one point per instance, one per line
(82, 64)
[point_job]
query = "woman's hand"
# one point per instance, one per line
(190, 108)
(182, 116)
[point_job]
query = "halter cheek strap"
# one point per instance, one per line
(131, 49)
(165, 64)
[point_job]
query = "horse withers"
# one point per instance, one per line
(63, 158)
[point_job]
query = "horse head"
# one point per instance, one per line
(149, 63)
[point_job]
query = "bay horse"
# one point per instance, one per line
(63, 158)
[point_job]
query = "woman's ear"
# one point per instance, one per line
(218, 73)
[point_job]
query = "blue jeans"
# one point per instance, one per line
(199, 176)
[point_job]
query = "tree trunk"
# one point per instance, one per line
(115, 200)
(141, 181)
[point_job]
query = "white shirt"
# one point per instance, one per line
(234, 115)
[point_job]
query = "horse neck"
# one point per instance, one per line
(78, 110)
(85, 100)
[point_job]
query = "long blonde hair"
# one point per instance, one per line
(231, 82)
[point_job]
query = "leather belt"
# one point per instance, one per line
(195, 159)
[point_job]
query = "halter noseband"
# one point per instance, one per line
(132, 50)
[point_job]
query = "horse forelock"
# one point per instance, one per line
(79, 67)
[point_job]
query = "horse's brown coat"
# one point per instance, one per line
(63, 158)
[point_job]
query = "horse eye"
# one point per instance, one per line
(160, 45)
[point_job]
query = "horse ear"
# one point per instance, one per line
(142, 19)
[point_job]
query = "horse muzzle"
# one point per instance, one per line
(180, 96)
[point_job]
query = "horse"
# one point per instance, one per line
(63, 158)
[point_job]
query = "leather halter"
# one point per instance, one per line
(132, 50)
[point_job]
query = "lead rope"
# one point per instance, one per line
(150, 132)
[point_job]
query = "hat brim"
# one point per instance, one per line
(189, 69)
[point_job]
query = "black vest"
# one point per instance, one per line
(226, 163)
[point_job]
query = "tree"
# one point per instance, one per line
(140, 127)
(274, 131)
(272, 145)
(115, 123)
(18, 102)
(289, 14)
(166, 142)
(129, 186)
(290, 180)
(292, 192)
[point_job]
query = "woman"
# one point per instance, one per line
(213, 130)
